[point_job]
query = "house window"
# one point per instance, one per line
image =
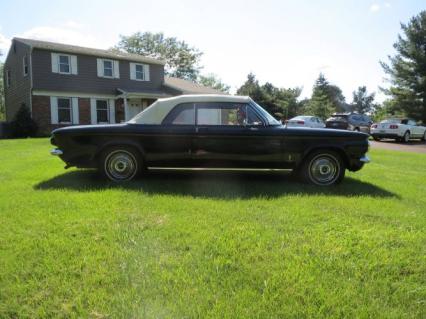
(102, 111)
(64, 110)
(64, 64)
(108, 68)
(8, 78)
(25, 65)
(140, 75)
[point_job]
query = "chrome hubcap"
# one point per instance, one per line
(324, 169)
(120, 165)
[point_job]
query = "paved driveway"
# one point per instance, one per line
(412, 146)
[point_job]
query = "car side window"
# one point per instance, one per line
(226, 114)
(410, 122)
(182, 114)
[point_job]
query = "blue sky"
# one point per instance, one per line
(284, 42)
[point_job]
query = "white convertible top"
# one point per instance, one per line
(155, 113)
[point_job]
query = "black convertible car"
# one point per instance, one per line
(210, 131)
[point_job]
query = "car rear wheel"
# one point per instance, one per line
(406, 137)
(424, 137)
(323, 168)
(120, 164)
(378, 139)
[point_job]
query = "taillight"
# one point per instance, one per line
(393, 126)
(374, 126)
(301, 122)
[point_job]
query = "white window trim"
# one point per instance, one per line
(94, 113)
(69, 63)
(107, 110)
(112, 68)
(54, 110)
(72, 62)
(145, 72)
(101, 68)
(71, 112)
(25, 65)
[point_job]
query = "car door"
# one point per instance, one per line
(233, 135)
(171, 146)
(416, 131)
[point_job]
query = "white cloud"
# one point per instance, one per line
(387, 5)
(374, 7)
(63, 34)
(4, 44)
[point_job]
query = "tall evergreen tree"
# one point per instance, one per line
(407, 69)
(362, 102)
(322, 103)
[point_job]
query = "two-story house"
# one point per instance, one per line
(70, 85)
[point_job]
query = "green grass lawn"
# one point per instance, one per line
(185, 245)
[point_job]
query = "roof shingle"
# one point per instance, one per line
(74, 49)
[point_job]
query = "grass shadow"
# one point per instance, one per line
(221, 185)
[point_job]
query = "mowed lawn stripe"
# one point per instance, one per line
(218, 245)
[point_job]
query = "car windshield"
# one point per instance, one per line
(305, 118)
(338, 118)
(397, 121)
(271, 120)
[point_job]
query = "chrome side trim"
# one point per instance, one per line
(365, 159)
(56, 152)
(220, 169)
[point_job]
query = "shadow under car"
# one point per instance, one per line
(212, 184)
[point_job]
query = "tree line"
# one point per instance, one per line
(406, 71)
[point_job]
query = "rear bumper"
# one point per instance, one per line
(385, 135)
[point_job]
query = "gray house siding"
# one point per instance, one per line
(87, 80)
(19, 91)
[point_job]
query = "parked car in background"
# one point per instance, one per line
(306, 121)
(349, 121)
(210, 131)
(399, 129)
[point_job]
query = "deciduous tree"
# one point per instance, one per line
(181, 59)
(212, 81)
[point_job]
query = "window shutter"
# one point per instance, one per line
(100, 67)
(93, 117)
(75, 113)
(111, 103)
(117, 69)
(54, 110)
(132, 71)
(55, 62)
(146, 72)
(74, 69)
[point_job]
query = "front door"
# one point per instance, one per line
(233, 135)
(134, 107)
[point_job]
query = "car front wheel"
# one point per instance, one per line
(120, 164)
(323, 168)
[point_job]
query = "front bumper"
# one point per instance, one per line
(56, 152)
(365, 159)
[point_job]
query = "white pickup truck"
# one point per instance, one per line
(398, 129)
